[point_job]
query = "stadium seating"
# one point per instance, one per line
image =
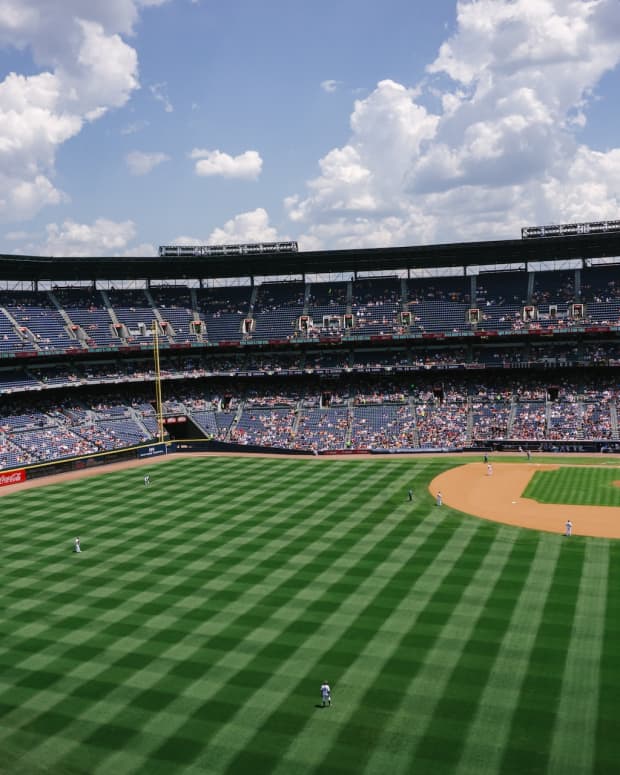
(77, 368)
(372, 412)
(66, 319)
(384, 426)
(265, 426)
(323, 429)
(174, 306)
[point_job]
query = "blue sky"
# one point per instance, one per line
(125, 124)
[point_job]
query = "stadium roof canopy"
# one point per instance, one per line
(33, 268)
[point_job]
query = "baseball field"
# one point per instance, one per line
(192, 633)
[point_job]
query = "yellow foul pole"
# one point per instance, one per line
(158, 407)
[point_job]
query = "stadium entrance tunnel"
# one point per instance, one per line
(181, 427)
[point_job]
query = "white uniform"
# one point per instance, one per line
(76, 545)
(439, 499)
(326, 694)
(569, 527)
(147, 480)
(489, 470)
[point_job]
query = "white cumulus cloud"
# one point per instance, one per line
(102, 237)
(160, 94)
(84, 68)
(248, 227)
(252, 226)
(141, 163)
(330, 85)
(247, 165)
(511, 87)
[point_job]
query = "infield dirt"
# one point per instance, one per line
(498, 498)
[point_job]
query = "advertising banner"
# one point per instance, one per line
(152, 451)
(12, 477)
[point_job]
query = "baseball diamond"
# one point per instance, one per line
(188, 634)
(539, 496)
(231, 478)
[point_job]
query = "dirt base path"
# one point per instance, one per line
(498, 498)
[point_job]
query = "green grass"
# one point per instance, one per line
(582, 486)
(194, 630)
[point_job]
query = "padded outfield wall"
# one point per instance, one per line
(145, 452)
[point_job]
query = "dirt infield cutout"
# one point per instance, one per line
(469, 488)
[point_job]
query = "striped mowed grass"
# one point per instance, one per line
(578, 485)
(193, 632)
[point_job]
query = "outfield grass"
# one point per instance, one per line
(582, 486)
(194, 630)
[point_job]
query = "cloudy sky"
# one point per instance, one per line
(126, 124)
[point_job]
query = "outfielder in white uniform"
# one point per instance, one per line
(326, 694)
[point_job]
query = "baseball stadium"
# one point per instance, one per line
(395, 472)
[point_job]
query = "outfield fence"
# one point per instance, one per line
(158, 449)
(139, 452)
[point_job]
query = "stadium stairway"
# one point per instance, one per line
(511, 419)
(168, 330)
(470, 420)
(23, 334)
(73, 331)
(412, 410)
(235, 423)
(113, 318)
(137, 417)
(582, 411)
(613, 410)
(404, 294)
(347, 438)
(253, 299)
(201, 331)
(298, 413)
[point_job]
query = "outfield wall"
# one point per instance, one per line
(90, 461)
(199, 445)
(157, 449)
(144, 451)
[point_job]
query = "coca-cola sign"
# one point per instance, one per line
(12, 477)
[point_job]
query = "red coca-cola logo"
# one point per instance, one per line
(14, 477)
